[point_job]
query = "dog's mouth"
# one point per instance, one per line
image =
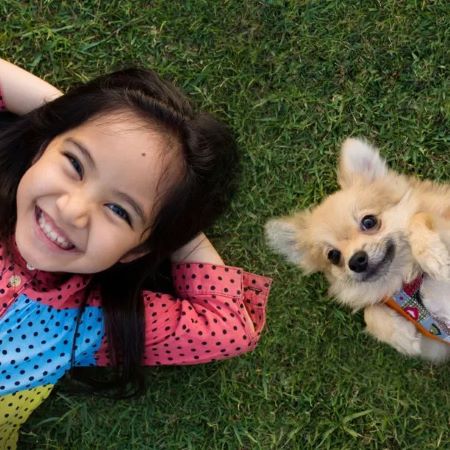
(378, 270)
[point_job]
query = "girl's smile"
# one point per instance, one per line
(88, 200)
(51, 232)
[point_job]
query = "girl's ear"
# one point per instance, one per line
(282, 236)
(359, 162)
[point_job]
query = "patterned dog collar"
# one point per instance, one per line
(408, 303)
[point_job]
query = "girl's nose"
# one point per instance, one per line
(73, 209)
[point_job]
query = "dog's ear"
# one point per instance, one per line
(282, 237)
(360, 161)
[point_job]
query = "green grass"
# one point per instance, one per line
(293, 78)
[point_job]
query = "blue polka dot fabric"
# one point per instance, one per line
(36, 343)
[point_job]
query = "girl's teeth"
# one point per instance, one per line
(52, 235)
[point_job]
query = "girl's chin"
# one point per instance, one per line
(36, 254)
(26, 254)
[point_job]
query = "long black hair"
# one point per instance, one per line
(194, 200)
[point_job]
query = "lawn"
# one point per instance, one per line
(293, 79)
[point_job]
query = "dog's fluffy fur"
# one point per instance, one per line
(411, 235)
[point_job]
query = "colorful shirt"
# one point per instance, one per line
(219, 314)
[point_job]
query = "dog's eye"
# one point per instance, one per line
(334, 256)
(368, 222)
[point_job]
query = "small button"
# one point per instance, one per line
(14, 281)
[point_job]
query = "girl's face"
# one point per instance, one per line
(89, 199)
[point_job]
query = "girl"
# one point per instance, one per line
(97, 188)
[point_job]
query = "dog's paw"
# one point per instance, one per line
(433, 258)
(388, 326)
(406, 339)
(429, 251)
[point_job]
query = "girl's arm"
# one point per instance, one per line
(198, 250)
(22, 91)
(218, 312)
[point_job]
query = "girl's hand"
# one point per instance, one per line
(22, 91)
(198, 250)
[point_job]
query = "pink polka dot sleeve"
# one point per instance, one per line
(219, 314)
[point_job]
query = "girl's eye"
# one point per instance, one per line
(334, 256)
(119, 211)
(75, 164)
(369, 222)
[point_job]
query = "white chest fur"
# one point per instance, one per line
(436, 298)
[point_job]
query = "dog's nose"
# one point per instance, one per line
(359, 262)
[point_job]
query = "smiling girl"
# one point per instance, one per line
(98, 188)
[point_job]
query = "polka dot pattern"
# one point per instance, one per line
(14, 411)
(36, 343)
(220, 314)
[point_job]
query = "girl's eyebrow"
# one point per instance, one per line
(87, 155)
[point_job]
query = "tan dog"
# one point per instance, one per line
(379, 231)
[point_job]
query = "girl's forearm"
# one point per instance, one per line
(23, 91)
(198, 250)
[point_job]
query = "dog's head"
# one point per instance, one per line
(357, 236)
